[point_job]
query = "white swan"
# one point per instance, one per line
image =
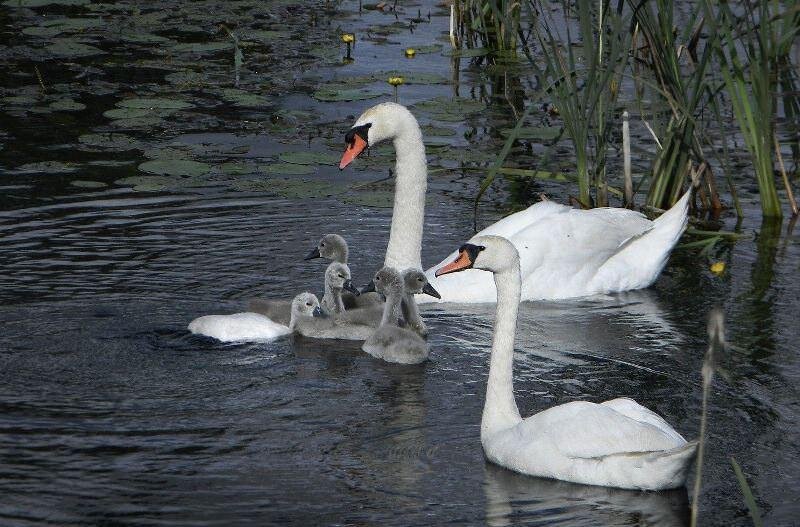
(240, 327)
(618, 443)
(564, 252)
(390, 342)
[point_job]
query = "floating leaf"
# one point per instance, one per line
(288, 169)
(433, 48)
(41, 3)
(437, 131)
(138, 122)
(200, 48)
(67, 105)
(155, 103)
(243, 98)
(127, 113)
(329, 94)
(265, 35)
(175, 167)
(80, 183)
(544, 133)
(21, 100)
(145, 183)
(64, 47)
(237, 169)
(466, 53)
(375, 198)
(111, 141)
(308, 157)
(46, 167)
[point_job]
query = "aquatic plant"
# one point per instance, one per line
(754, 109)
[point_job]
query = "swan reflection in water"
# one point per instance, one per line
(515, 499)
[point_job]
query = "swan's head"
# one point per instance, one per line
(380, 123)
(416, 282)
(337, 276)
(489, 253)
(306, 304)
(331, 247)
(387, 281)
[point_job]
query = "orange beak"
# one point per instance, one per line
(461, 263)
(352, 151)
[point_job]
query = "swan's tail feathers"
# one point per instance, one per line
(658, 470)
(639, 259)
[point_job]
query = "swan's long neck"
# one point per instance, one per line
(500, 409)
(411, 172)
(411, 310)
(391, 310)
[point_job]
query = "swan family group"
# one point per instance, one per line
(548, 251)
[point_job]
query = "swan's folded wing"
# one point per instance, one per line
(588, 430)
(630, 408)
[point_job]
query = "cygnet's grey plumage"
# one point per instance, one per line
(415, 282)
(331, 247)
(330, 326)
(391, 342)
(337, 278)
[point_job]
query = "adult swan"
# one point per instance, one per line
(617, 443)
(564, 252)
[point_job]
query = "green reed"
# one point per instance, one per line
(752, 84)
(492, 24)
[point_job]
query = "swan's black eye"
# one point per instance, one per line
(341, 276)
(419, 279)
(377, 278)
(308, 304)
(322, 245)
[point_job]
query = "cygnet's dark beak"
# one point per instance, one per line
(348, 286)
(369, 288)
(313, 254)
(429, 290)
(318, 312)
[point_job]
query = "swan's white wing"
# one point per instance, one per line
(632, 409)
(237, 327)
(587, 430)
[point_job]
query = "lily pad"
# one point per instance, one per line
(433, 48)
(237, 169)
(544, 133)
(146, 183)
(329, 94)
(243, 98)
(288, 169)
(67, 105)
(64, 47)
(142, 38)
(81, 183)
(155, 103)
(41, 3)
(383, 199)
(265, 35)
(437, 131)
(201, 48)
(175, 167)
(127, 113)
(466, 53)
(111, 141)
(138, 122)
(46, 167)
(418, 77)
(450, 109)
(308, 157)
(18, 100)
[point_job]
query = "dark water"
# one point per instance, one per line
(112, 413)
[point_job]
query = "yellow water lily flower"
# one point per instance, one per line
(348, 38)
(396, 81)
(718, 268)
(411, 52)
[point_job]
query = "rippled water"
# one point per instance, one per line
(112, 413)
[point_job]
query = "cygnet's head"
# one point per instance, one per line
(490, 253)
(331, 247)
(382, 122)
(387, 281)
(306, 304)
(337, 276)
(416, 282)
